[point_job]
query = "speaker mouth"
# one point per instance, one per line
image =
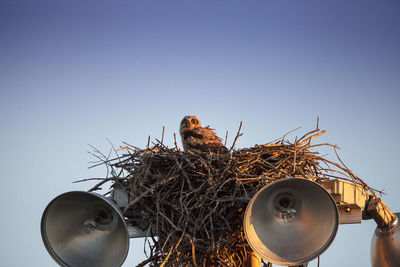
(385, 245)
(84, 229)
(291, 221)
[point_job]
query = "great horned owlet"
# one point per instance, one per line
(199, 139)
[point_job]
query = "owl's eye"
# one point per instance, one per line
(192, 121)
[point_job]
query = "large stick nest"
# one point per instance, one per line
(193, 204)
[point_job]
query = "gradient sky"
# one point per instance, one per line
(74, 73)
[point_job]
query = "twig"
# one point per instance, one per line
(136, 200)
(193, 252)
(283, 136)
(176, 144)
(162, 136)
(310, 138)
(148, 142)
(93, 179)
(97, 186)
(149, 260)
(166, 258)
(237, 136)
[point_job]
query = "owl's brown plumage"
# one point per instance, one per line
(199, 139)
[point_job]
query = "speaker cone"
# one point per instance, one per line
(84, 229)
(385, 246)
(291, 221)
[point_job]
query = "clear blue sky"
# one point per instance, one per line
(73, 73)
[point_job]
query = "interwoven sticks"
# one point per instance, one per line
(193, 204)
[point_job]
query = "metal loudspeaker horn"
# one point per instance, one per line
(291, 221)
(84, 229)
(385, 245)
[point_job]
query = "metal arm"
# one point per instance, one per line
(377, 210)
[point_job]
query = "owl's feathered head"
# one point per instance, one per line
(190, 122)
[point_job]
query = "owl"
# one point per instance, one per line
(199, 139)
